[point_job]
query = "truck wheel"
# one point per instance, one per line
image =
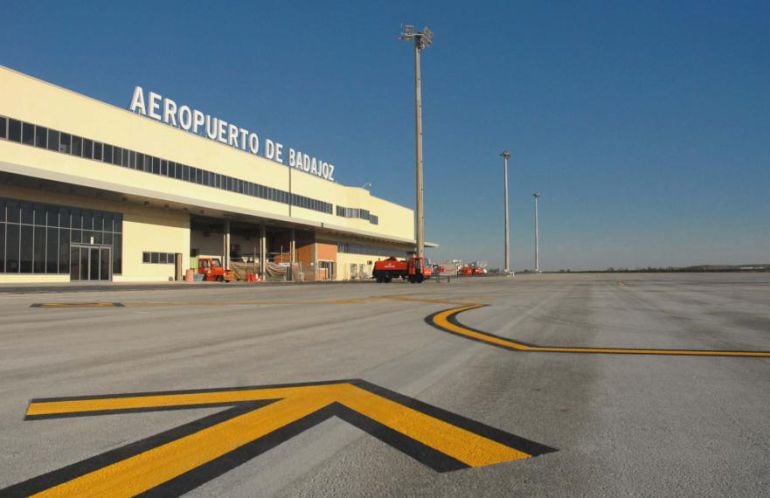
(387, 279)
(220, 278)
(419, 278)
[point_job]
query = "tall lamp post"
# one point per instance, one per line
(506, 155)
(422, 39)
(536, 195)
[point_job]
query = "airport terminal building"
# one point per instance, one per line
(91, 191)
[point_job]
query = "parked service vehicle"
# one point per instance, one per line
(413, 269)
(213, 271)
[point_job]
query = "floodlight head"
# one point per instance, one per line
(407, 31)
(536, 195)
(506, 154)
(427, 37)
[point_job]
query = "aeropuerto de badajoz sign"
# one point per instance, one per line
(189, 119)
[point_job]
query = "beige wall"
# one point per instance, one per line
(154, 230)
(29, 99)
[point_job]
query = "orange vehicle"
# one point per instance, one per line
(213, 271)
(414, 269)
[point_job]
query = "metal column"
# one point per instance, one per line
(226, 242)
(262, 250)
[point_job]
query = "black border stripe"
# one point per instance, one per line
(424, 454)
(73, 471)
(502, 437)
(215, 468)
(193, 391)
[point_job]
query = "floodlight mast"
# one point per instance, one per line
(506, 155)
(536, 195)
(422, 39)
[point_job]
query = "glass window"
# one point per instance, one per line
(156, 165)
(39, 214)
(171, 169)
(3, 126)
(98, 221)
(178, 171)
(38, 263)
(27, 215)
(77, 219)
(77, 146)
(64, 217)
(117, 254)
(25, 254)
(145, 257)
(52, 250)
(107, 153)
(14, 130)
(53, 139)
(108, 219)
(12, 211)
(2, 247)
(132, 159)
(98, 151)
(12, 248)
(64, 251)
(88, 220)
(163, 258)
(163, 167)
(117, 156)
(65, 141)
(88, 148)
(41, 137)
(28, 134)
(124, 160)
(154, 257)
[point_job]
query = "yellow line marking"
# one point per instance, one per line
(442, 321)
(149, 469)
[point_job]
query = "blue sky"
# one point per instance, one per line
(645, 125)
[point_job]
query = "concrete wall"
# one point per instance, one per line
(35, 101)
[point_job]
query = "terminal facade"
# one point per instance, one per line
(90, 191)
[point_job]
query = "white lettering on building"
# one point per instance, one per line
(167, 111)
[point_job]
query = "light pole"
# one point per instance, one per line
(422, 39)
(506, 155)
(536, 195)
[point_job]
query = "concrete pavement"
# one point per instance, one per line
(621, 424)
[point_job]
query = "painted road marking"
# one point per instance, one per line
(255, 420)
(446, 321)
(76, 305)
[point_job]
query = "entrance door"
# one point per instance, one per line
(90, 262)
